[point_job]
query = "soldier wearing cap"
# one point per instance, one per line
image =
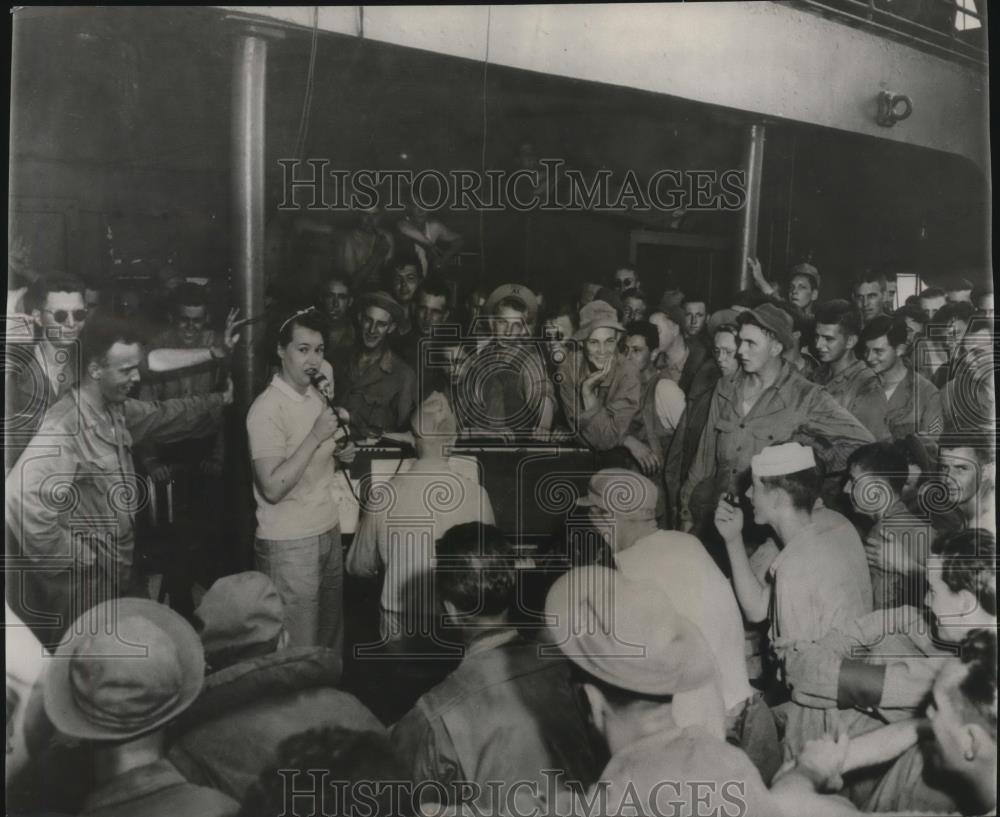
(505, 387)
(803, 285)
(764, 403)
(650, 681)
(128, 670)
(258, 691)
(375, 384)
(815, 577)
(598, 388)
(622, 506)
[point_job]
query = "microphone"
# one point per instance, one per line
(323, 385)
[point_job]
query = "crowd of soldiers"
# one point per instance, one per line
(777, 593)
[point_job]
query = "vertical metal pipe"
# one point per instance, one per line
(753, 163)
(248, 105)
(249, 78)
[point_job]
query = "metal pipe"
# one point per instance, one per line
(248, 106)
(753, 163)
(249, 78)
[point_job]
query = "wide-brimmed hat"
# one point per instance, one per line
(128, 667)
(516, 292)
(626, 633)
(597, 315)
(620, 491)
(383, 300)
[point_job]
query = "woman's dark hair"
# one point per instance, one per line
(309, 319)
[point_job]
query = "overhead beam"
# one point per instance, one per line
(768, 59)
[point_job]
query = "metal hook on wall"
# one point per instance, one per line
(893, 108)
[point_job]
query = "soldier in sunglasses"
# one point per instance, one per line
(41, 371)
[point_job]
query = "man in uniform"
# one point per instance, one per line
(374, 384)
(72, 496)
(764, 403)
(849, 381)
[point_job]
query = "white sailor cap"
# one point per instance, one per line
(786, 458)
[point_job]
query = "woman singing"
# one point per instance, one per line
(291, 429)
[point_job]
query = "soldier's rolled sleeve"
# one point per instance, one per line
(603, 426)
(828, 421)
(172, 420)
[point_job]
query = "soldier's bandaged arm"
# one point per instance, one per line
(860, 684)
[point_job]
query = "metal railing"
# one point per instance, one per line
(950, 28)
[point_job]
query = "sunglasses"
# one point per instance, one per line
(62, 315)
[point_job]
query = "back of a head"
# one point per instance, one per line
(954, 311)
(433, 419)
(911, 311)
(978, 688)
(970, 563)
(345, 767)
(241, 616)
(957, 283)
(474, 569)
(886, 460)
